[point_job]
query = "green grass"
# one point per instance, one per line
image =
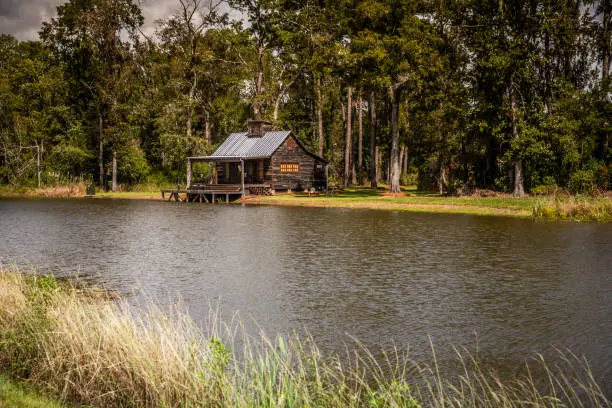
(415, 201)
(568, 208)
(97, 351)
(20, 395)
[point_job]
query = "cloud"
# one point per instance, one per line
(154, 10)
(24, 18)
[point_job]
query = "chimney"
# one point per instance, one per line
(257, 128)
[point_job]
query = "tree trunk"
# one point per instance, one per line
(101, 152)
(405, 162)
(259, 82)
(38, 153)
(605, 68)
(320, 116)
(605, 72)
(114, 185)
(360, 142)
(281, 92)
(519, 190)
(394, 165)
(401, 161)
(441, 176)
(207, 132)
(192, 90)
(348, 143)
(373, 154)
(378, 165)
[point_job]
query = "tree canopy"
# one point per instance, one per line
(508, 95)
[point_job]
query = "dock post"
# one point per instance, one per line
(242, 174)
(213, 198)
(226, 198)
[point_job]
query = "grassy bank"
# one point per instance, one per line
(558, 208)
(574, 209)
(62, 191)
(88, 349)
(20, 395)
(568, 208)
(139, 192)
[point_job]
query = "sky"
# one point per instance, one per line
(23, 18)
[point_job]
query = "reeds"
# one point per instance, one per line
(56, 191)
(575, 209)
(89, 349)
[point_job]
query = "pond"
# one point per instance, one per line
(508, 287)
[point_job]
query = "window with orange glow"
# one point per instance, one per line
(290, 167)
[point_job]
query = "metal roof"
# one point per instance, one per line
(240, 145)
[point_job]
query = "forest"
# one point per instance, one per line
(512, 96)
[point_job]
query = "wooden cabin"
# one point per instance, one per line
(260, 161)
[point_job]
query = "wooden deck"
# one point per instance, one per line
(212, 193)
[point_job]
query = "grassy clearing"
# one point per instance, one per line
(20, 395)
(88, 349)
(413, 201)
(567, 208)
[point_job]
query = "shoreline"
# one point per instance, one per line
(316, 202)
(576, 209)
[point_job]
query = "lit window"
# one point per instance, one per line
(290, 167)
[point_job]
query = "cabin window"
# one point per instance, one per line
(290, 167)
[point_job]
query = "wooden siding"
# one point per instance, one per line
(308, 176)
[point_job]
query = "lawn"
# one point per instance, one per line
(414, 200)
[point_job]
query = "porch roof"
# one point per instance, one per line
(224, 158)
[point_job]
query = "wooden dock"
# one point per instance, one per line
(211, 193)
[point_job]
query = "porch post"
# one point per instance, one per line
(326, 177)
(242, 174)
(188, 172)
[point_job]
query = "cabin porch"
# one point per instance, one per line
(213, 193)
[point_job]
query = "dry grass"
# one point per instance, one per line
(59, 191)
(67, 191)
(575, 209)
(88, 350)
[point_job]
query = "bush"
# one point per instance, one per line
(132, 167)
(409, 179)
(544, 189)
(582, 182)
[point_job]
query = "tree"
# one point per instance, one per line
(86, 37)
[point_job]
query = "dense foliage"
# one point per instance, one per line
(508, 95)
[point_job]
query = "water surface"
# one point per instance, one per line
(509, 287)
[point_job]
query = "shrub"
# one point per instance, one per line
(582, 182)
(544, 189)
(409, 179)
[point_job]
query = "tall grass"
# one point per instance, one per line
(90, 349)
(56, 191)
(574, 209)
